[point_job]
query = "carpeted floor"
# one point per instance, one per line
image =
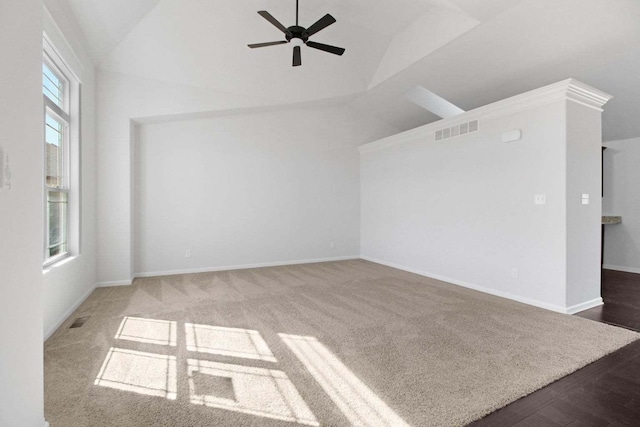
(327, 344)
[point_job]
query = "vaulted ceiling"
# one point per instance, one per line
(470, 52)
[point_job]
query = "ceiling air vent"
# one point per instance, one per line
(457, 130)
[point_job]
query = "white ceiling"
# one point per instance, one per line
(535, 43)
(106, 23)
(470, 52)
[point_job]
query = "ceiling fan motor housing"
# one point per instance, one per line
(297, 32)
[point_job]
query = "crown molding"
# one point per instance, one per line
(586, 95)
(565, 90)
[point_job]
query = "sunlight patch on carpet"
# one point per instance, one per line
(151, 331)
(138, 372)
(234, 342)
(358, 403)
(256, 391)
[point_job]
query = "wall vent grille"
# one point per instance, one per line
(458, 130)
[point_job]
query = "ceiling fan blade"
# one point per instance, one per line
(297, 57)
(322, 23)
(266, 15)
(327, 48)
(255, 45)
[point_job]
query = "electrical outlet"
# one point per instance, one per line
(187, 253)
(515, 273)
(585, 199)
(332, 245)
(540, 199)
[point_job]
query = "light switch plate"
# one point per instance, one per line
(585, 199)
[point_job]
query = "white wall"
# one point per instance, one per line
(462, 209)
(68, 284)
(247, 189)
(123, 100)
(584, 173)
(622, 198)
(21, 373)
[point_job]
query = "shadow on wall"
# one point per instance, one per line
(250, 390)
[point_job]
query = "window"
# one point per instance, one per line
(61, 134)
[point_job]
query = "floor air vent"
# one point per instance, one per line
(79, 322)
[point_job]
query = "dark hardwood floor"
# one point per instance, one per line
(621, 294)
(604, 393)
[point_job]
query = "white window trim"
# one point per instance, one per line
(69, 116)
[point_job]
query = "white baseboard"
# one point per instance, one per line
(243, 266)
(585, 306)
(507, 295)
(115, 283)
(68, 313)
(623, 269)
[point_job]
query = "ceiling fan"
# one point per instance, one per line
(298, 36)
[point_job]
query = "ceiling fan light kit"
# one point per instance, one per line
(299, 36)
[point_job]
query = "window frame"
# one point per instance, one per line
(53, 67)
(68, 116)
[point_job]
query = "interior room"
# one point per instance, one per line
(320, 213)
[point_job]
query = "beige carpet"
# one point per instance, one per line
(327, 344)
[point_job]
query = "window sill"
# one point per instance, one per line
(58, 263)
